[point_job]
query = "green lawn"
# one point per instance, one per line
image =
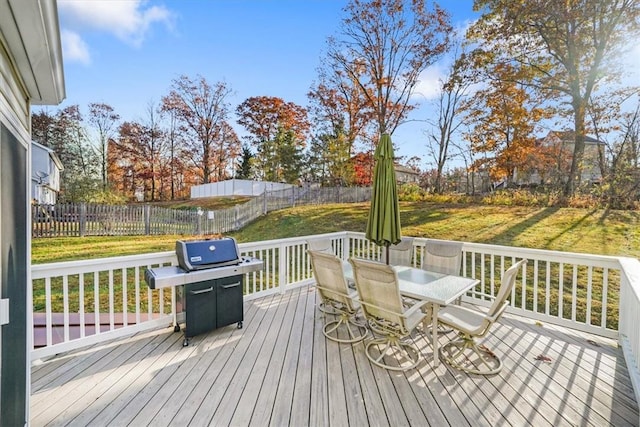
(603, 232)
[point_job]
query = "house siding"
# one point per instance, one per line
(14, 242)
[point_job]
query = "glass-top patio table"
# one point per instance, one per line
(436, 288)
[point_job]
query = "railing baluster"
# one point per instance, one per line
(492, 289)
(574, 292)
(96, 301)
(111, 302)
(547, 296)
(137, 288)
(605, 295)
(589, 291)
(125, 291)
(561, 291)
(65, 306)
(81, 310)
(48, 314)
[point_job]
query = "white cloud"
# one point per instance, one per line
(74, 48)
(129, 21)
(430, 82)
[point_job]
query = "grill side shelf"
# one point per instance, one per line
(164, 277)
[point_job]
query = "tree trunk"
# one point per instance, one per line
(575, 174)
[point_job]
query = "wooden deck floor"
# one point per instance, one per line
(280, 370)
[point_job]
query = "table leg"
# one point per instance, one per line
(434, 333)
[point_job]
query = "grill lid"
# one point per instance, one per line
(203, 254)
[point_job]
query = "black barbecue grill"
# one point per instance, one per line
(208, 278)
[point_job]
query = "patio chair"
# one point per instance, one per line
(445, 258)
(377, 286)
(320, 245)
(338, 298)
(463, 352)
(442, 257)
(323, 245)
(399, 254)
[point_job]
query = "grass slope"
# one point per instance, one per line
(565, 229)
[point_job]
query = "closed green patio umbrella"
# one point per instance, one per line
(383, 224)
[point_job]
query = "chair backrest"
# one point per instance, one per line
(320, 245)
(377, 286)
(506, 284)
(399, 254)
(330, 280)
(442, 257)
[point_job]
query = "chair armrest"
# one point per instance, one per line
(415, 308)
(499, 312)
(483, 295)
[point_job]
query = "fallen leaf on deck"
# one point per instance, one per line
(593, 343)
(543, 358)
(538, 323)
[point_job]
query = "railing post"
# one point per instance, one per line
(346, 246)
(282, 268)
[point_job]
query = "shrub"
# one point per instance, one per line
(522, 197)
(410, 193)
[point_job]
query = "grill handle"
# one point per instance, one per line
(232, 285)
(202, 291)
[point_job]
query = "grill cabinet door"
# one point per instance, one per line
(200, 307)
(229, 300)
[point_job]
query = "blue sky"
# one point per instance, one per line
(126, 52)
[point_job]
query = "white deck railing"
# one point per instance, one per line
(591, 293)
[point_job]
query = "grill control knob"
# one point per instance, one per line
(212, 248)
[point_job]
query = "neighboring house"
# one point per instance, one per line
(561, 144)
(406, 175)
(593, 152)
(45, 174)
(31, 74)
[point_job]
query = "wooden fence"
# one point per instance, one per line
(85, 219)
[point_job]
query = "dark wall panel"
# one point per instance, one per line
(13, 252)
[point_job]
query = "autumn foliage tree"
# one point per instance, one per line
(139, 158)
(278, 131)
(341, 117)
(383, 46)
(202, 110)
(504, 117)
(567, 48)
(363, 168)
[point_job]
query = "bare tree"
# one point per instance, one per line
(105, 121)
(201, 109)
(383, 47)
(452, 92)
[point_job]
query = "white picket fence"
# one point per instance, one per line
(592, 293)
(86, 219)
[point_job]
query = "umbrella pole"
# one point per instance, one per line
(387, 248)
